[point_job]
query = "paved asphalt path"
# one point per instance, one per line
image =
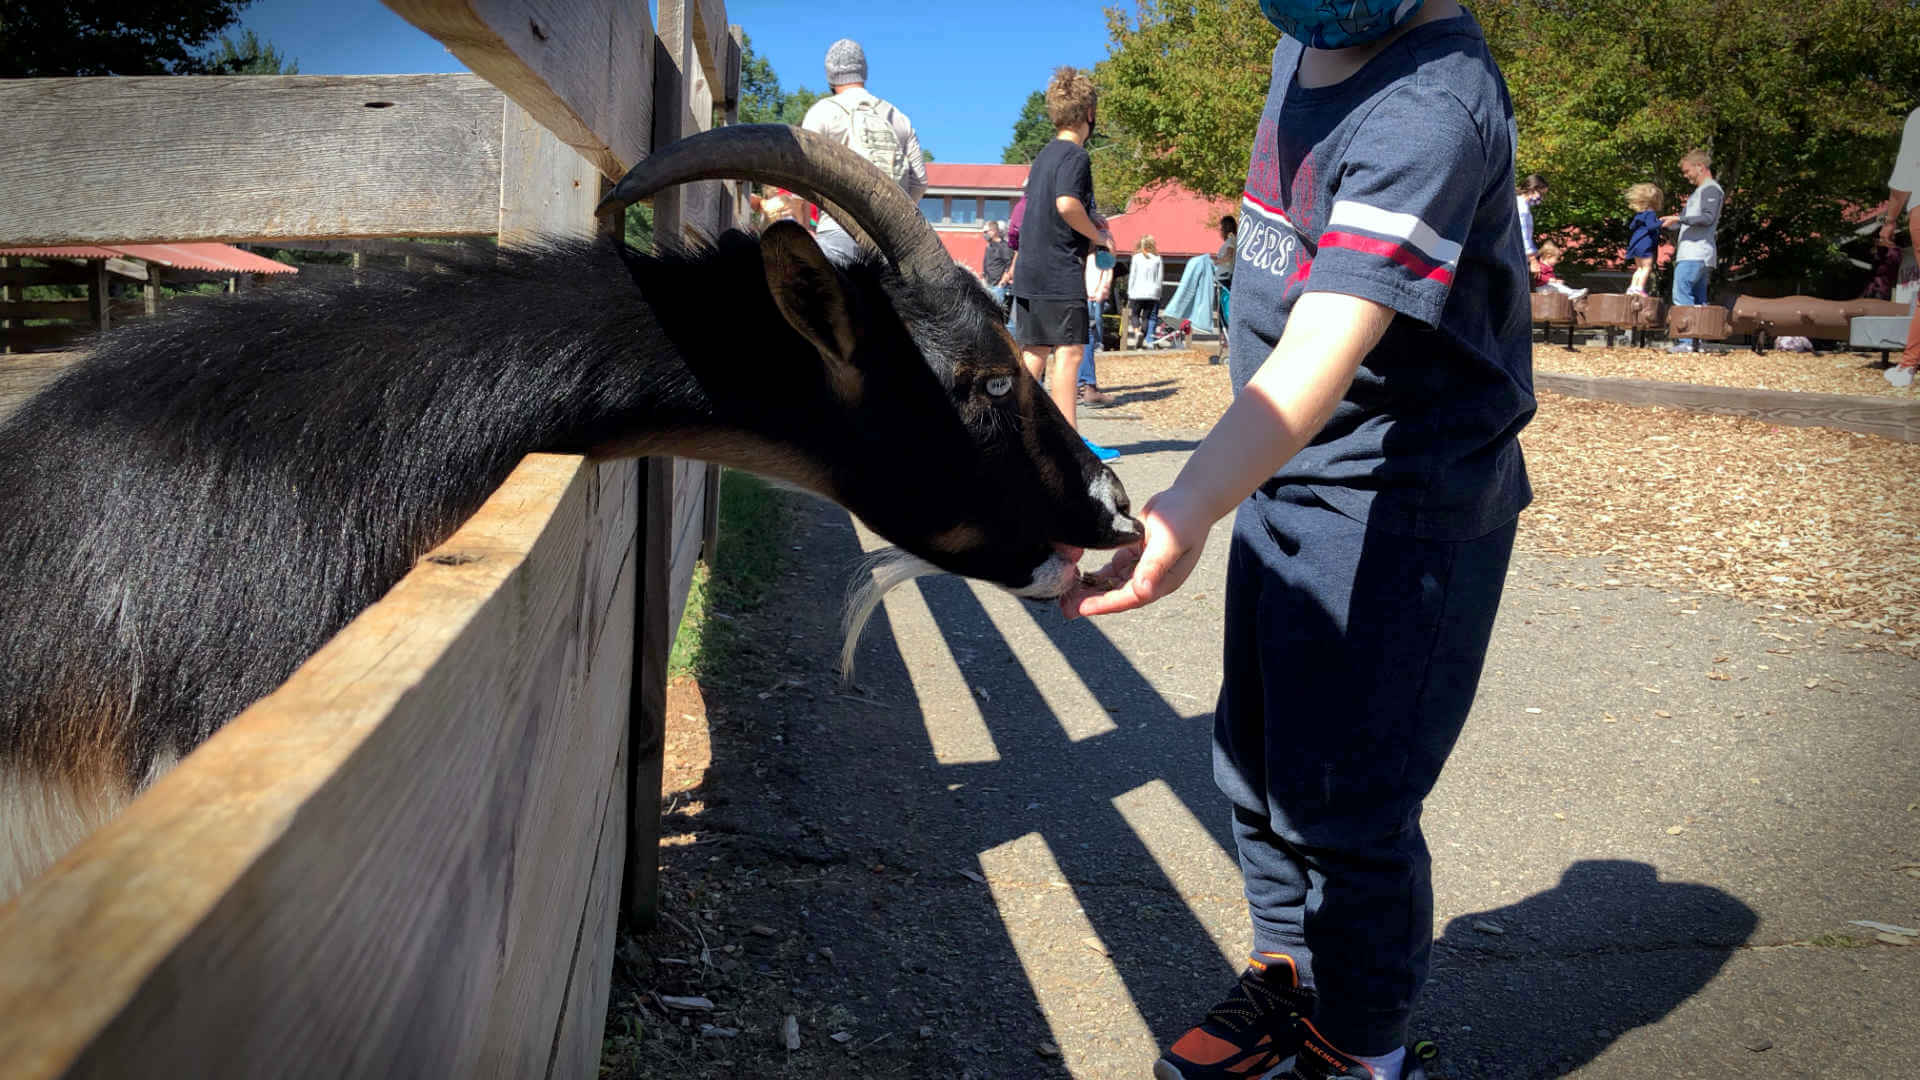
(1007, 837)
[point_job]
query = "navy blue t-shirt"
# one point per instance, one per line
(1396, 185)
(1643, 234)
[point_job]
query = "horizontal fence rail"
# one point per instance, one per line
(382, 868)
(153, 159)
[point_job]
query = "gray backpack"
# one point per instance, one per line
(870, 133)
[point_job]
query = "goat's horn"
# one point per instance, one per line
(804, 161)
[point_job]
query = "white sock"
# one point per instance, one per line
(1386, 1066)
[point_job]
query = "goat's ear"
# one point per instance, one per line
(812, 297)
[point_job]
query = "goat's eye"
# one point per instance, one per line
(999, 385)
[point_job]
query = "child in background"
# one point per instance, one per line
(1643, 233)
(1527, 195)
(1057, 234)
(1144, 283)
(1383, 368)
(1545, 280)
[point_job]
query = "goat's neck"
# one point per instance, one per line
(719, 375)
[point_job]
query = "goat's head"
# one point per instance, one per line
(939, 439)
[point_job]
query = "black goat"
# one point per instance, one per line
(191, 511)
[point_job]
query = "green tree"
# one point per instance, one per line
(762, 99)
(42, 38)
(1800, 105)
(760, 94)
(1181, 91)
(250, 56)
(793, 108)
(1031, 131)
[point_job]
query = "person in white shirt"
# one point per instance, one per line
(1143, 289)
(1099, 285)
(871, 127)
(1901, 186)
(1528, 194)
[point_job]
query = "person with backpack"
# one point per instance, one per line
(868, 126)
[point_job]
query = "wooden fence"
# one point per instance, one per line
(409, 859)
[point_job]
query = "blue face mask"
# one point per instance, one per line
(1337, 24)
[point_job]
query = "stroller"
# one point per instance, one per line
(1170, 336)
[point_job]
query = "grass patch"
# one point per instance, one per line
(753, 537)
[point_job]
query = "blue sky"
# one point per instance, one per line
(961, 72)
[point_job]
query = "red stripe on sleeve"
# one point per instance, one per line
(1398, 253)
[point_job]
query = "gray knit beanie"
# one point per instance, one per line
(846, 62)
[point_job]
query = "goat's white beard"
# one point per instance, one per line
(888, 568)
(880, 573)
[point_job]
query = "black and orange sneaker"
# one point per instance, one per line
(1249, 1034)
(1316, 1059)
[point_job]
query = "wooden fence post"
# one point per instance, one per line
(97, 295)
(9, 292)
(653, 637)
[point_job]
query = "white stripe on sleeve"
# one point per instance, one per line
(1358, 215)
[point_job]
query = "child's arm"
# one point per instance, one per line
(1074, 212)
(1284, 406)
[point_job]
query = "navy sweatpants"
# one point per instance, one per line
(1352, 657)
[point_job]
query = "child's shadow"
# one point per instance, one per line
(1541, 987)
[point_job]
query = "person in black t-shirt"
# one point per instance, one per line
(1056, 235)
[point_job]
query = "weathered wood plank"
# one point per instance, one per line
(385, 825)
(653, 641)
(560, 951)
(59, 273)
(125, 160)
(689, 521)
(49, 336)
(469, 249)
(45, 309)
(710, 526)
(546, 188)
(730, 81)
(128, 268)
(99, 298)
(581, 68)
(558, 940)
(1889, 418)
(672, 117)
(583, 1023)
(22, 375)
(710, 42)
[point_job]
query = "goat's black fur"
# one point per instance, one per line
(192, 510)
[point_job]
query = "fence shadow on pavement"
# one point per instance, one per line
(834, 819)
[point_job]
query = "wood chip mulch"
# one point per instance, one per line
(1820, 373)
(1808, 523)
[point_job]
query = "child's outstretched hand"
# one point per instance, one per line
(1149, 569)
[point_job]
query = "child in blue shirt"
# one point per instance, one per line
(1643, 233)
(1381, 359)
